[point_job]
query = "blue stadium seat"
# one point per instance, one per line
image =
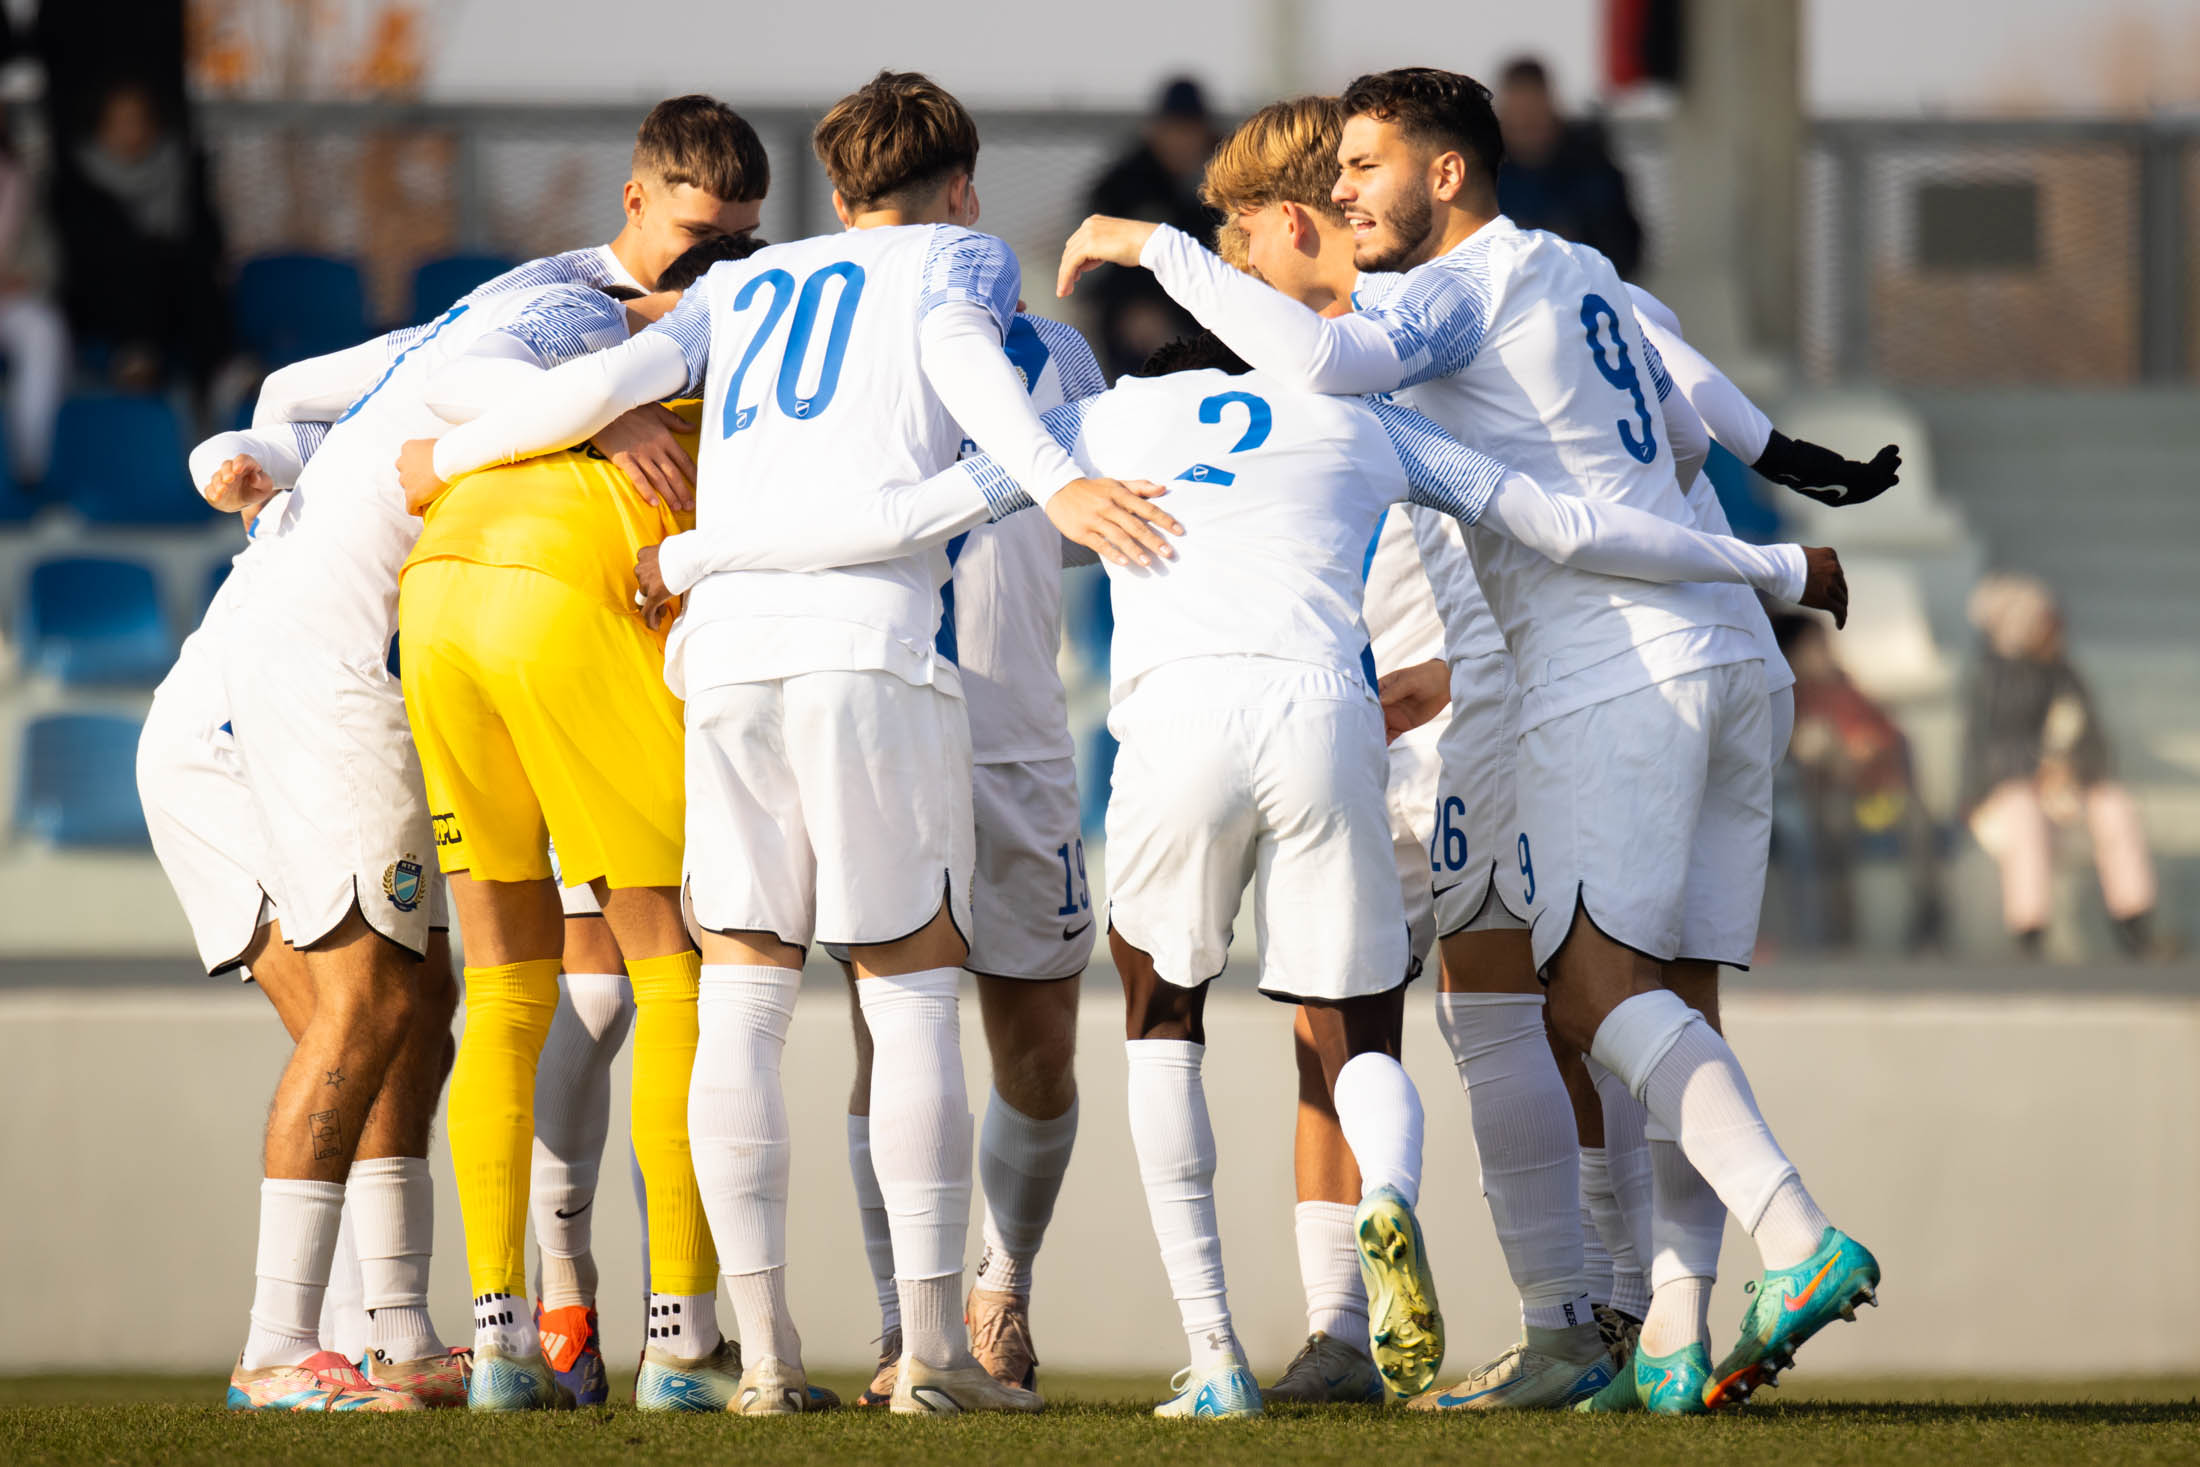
(1095, 773)
(295, 306)
(119, 460)
(16, 505)
(439, 282)
(85, 620)
(78, 784)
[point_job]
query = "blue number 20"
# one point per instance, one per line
(793, 358)
(1597, 313)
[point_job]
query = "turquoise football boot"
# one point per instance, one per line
(1225, 1393)
(1663, 1385)
(503, 1382)
(1788, 1306)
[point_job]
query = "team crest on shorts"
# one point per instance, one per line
(403, 882)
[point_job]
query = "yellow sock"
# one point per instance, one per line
(492, 1115)
(682, 1259)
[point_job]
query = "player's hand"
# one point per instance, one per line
(1858, 483)
(239, 486)
(1116, 521)
(655, 597)
(1413, 695)
(416, 471)
(1825, 588)
(641, 445)
(1101, 241)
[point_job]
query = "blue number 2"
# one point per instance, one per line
(789, 389)
(1259, 421)
(1597, 313)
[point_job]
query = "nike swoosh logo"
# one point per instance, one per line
(1451, 1400)
(1071, 934)
(1439, 891)
(1796, 1301)
(576, 1212)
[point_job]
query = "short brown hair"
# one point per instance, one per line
(1444, 110)
(898, 134)
(700, 141)
(1286, 153)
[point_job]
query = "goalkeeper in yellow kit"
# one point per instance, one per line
(537, 698)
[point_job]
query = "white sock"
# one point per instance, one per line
(1596, 1259)
(505, 1323)
(1687, 1077)
(343, 1302)
(391, 1200)
(1021, 1163)
(1175, 1143)
(1379, 1112)
(1329, 1268)
(1791, 1226)
(1688, 1222)
(684, 1325)
(1530, 1151)
(1624, 1216)
(572, 1120)
(298, 1224)
(878, 1241)
(737, 1134)
(921, 1150)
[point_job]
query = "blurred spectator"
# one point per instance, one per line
(2035, 757)
(1157, 180)
(33, 340)
(141, 245)
(1849, 793)
(1559, 175)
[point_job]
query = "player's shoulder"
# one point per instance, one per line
(592, 266)
(1035, 342)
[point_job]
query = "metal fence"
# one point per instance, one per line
(1932, 252)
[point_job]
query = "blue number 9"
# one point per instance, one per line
(1596, 313)
(1527, 871)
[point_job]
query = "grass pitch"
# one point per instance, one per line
(72, 1419)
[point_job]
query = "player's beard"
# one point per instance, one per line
(1399, 237)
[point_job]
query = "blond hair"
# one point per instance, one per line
(1286, 153)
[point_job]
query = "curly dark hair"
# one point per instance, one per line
(1193, 353)
(1441, 109)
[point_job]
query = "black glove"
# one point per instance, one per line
(1809, 469)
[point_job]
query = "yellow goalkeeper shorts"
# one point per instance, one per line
(540, 712)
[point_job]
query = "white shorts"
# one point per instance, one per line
(321, 733)
(1416, 772)
(1652, 813)
(575, 901)
(1235, 770)
(1030, 908)
(1474, 838)
(831, 806)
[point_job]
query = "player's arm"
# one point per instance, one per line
(570, 403)
(1592, 535)
(1431, 326)
(318, 389)
(1684, 430)
(1742, 428)
(238, 471)
(842, 529)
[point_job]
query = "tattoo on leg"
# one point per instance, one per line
(335, 1080)
(326, 1139)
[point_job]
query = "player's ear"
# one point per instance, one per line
(1448, 174)
(840, 210)
(633, 198)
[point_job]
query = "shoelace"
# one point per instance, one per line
(1004, 1332)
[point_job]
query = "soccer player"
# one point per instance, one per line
(537, 701)
(1644, 752)
(828, 750)
(1222, 788)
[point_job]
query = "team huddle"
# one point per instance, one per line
(665, 609)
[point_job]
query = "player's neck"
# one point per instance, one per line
(889, 218)
(1460, 223)
(627, 250)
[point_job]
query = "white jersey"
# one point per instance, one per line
(1403, 622)
(1281, 494)
(1001, 616)
(1704, 386)
(1525, 345)
(807, 356)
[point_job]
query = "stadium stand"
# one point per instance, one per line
(439, 282)
(91, 620)
(119, 460)
(77, 786)
(294, 306)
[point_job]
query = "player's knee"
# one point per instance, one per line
(1571, 1011)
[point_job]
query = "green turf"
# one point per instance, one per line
(173, 1420)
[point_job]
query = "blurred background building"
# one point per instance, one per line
(1971, 227)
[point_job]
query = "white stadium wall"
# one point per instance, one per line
(1993, 1150)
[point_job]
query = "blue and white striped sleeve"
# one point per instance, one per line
(1075, 367)
(1003, 495)
(573, 267)
(567, 323)
(1437, 316)
(964, 265)
(1441, 472)
(1656, 360)
(688, 325)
